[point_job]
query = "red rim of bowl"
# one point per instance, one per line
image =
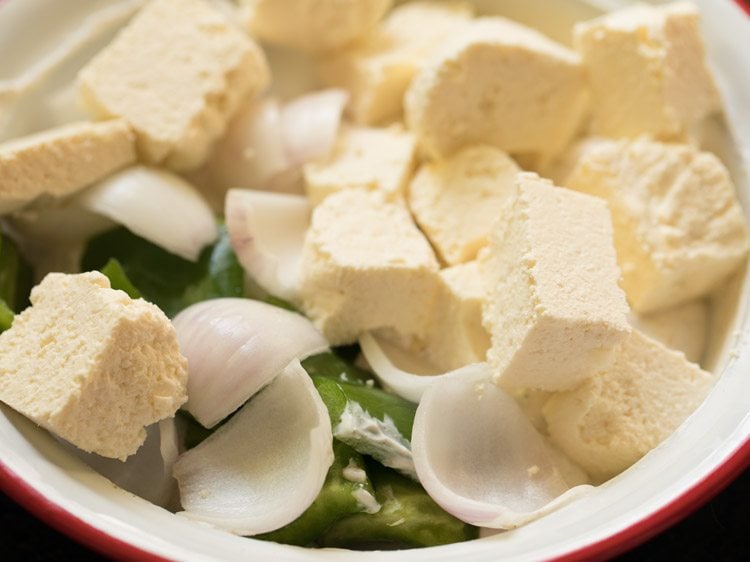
(639, 532)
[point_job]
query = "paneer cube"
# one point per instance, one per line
(647, 69)
(92, 365)
(620, 414)
(498, 83)
(376, 159)
(312, 25)
(177, 72)
(63, 160)
(366, 266)
(456, 336)
(377, 69)
(457, 201)
(679, 230)
(554, 309)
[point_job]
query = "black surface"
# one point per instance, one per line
(719, 531)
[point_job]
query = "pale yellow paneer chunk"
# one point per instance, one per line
(554, 309)
(377, 69)
(366, 266)
(379, 159)
(647, 70)
(312, 25)
(177, 73)
(498, 83)
(457, 201)
(92, 365)
(621, 413)
(679, 229)
(62, 161)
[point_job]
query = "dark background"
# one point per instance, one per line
(719, 531)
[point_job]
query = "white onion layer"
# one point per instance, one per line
(156, 205)
(235, 347)
(252, 150)
(407, 384)
(267, 231)
(310, 123)
(266, 466)
(481, 460)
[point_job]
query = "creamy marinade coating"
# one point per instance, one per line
(376, 253)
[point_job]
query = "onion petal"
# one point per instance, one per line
(412, 384)
(310, 123)
(156, 205)
(266, 465)
(515, 474)
(252, 150)
(235, 347)
(54, 237)
(267, 231)
(148, 473)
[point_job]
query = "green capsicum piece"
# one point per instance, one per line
(370, 420)
(408, 518)
(346, 491)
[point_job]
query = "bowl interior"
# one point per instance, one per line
(718, 429)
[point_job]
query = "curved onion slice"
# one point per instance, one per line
(267, 231)
(412, 384)
(156, 205)
(148, 473)
(266, 466)
(515, 475)
(310, 123)
(235, 347)
(55, 237)
(252, 150)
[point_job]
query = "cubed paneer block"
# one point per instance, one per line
(647, 70)
(377, 69)
(497, 83)
(371, 158)
(456, 336)
(457, 201)
(92, 365)
(312, 25)
(63, 160)
(682, 328)
(366, 266)
(620, 414)
(554, 309)
(177, 72)
(679, 230)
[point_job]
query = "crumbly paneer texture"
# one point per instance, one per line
(177, 72)
(312, 25)
(457, 201)
(455, 336)
(63, 160)
(92, 365)
(682, 328)
(366, 266)
(554, 309)
(373, 158)
(619, 415)
(647, 70)
(497, 83)
(377, 69)
(679, 229)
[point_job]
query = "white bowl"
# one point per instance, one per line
(710, 449)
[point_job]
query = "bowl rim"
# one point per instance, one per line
(689, 500)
